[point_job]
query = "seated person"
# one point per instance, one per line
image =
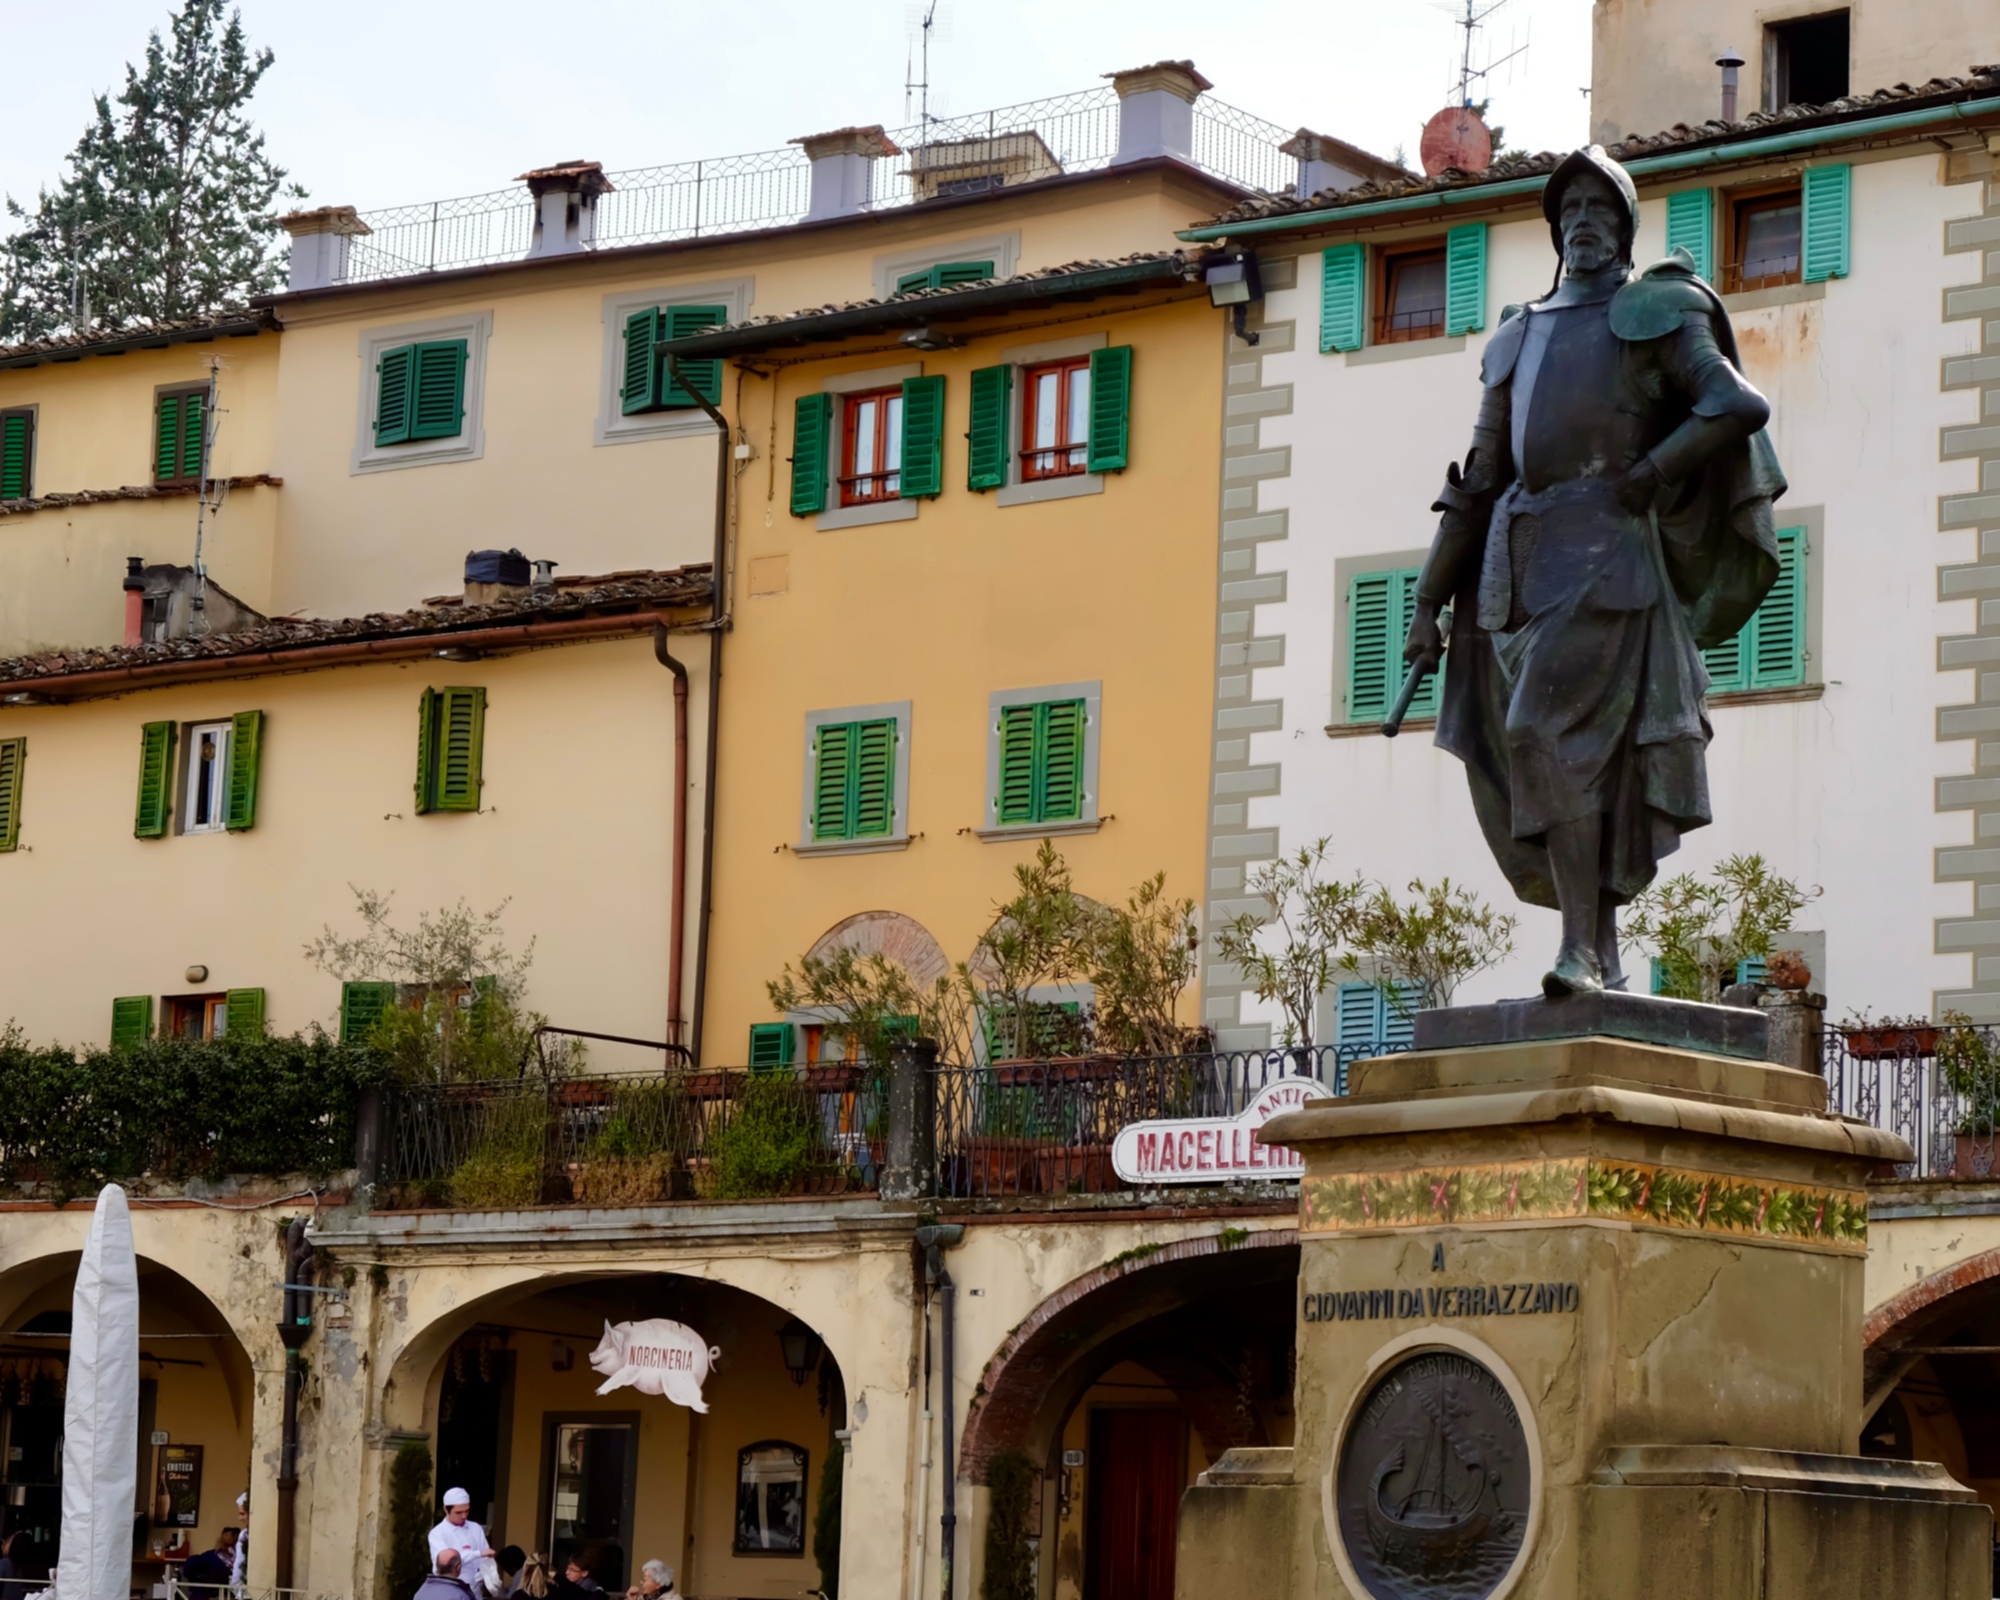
(444, 1583)
(656, 1582)
(510, 1561)
(212, 1566)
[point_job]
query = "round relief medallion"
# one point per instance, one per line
(1433, 1486)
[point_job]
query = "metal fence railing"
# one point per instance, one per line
(1002, 148)
(1938, 1085)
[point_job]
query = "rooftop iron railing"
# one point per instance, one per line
(771, 188)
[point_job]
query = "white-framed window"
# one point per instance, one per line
(205, 790)
(372, 453)
(615, 423)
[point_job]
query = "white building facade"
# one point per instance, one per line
(1857, 250)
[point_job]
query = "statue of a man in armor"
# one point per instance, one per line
(1612, 520)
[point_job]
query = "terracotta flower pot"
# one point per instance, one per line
(835, 1077)
(1001, 1165)
(1075, 1169)
(1873, 1043)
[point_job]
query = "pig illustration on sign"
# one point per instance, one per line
(655, 1357)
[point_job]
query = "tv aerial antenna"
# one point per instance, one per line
(1471, 20)
(924, 21)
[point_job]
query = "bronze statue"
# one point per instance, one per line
(1612, 520)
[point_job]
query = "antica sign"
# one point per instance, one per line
(1215, 1149)
(655, 1357)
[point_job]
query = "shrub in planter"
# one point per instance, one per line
(407, 1561)
(1008, 1571)
(503, 1170)
(766, 1146)
(630, 1159)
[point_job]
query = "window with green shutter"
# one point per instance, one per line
(770, 1045)
(944, 275)
(13, 759)
(17, 454)
(647, 384)
(361, 1007)
(451, 732)
(923, 438)
(1379, 608)
(812, 437)
(1770, 650)
(131, 1021)
(1041, 763)
(156, 776)
(243, 1013)
(1827, 200)
(420, 392)
(986, 437)
(1343, 305)
(246, 743)
(1368, 1022)
(639, 390)
(1691, 227)
(178, 418)
(1465, 279)
(854, 780)
(1110, 409)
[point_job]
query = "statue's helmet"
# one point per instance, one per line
(1590, 159)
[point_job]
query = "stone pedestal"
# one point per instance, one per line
(1581, 1317)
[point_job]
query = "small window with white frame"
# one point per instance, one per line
(205, 795)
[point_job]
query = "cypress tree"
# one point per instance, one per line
(166, 204)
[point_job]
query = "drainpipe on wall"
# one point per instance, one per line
(678, 892)
(294, 1328)
(718, 622)
(935, 1240)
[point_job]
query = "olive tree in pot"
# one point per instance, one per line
(1291, 953)
(1702, 930)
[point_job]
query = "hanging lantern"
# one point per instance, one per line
(802, 1349)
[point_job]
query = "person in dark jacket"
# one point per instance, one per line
(444, 1583)
(212, 1567)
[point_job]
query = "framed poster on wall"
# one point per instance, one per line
(771, 1499)
(180, 1484)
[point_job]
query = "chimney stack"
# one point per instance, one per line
(492, 575)
(1156, 110)
(321, 240)
(565, 206)
(843, 169)
(1731, 63)
(135, 600)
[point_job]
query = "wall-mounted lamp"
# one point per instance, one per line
(561, 1357)
(802, 1349)
(197, 973)
(931, 339)
(459, 652)
(1233, 282)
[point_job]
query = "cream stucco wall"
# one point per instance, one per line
(1653, 61)
(1835, 791)
(968, 598)
(574, 832)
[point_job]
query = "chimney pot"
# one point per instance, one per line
(321, 241)
(566, 197)
(1156, 110)
(1731, 63)
(545, 574)
(843, 171)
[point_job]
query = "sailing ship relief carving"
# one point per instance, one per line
(1433, 1486)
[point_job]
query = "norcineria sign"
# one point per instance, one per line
(1215, 1149)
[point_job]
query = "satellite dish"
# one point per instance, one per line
(1455, 137)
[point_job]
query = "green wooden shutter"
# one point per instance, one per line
(243, 1013)
(1776, 653)
(873, 785)
(1016, 800)
(1342, 315)
(361, 1007)
(437, 387)
(705, 375)
(1399, 1023)
(1824, 229)
(131, 1021)
(640, 390)
(944, 274)
(461, 740)
(1725, 663)
(167, 438)
(1465, 279)
(1425, 702)
(1357, 1018)
(427, 751)
(986, 439)
(16, 450)
(156, 776)
(1691, 227)
(246, 742)
(1110, 409)
(393, 370)
(1374, 598)
(1059, 761)
(833, 765)
(923, 438)
(812, 436)
(770, 1045)
(13, 758)
(193, 407)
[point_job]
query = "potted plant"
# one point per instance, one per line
(1292, 950)
(1968, 1064)
(1871, 1039)
(1703, 930)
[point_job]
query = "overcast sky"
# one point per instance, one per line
(380, 102)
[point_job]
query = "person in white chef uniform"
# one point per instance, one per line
(459, 1532)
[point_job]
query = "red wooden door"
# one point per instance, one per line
(1138, 1467)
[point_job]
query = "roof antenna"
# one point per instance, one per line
(211, 419)
(923, 20)
(1473, 20)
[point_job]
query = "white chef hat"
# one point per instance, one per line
(456, 1497)
(243, 1501)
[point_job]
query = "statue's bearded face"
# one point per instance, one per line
(1593, 218)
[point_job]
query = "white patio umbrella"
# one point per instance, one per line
(101, 1412)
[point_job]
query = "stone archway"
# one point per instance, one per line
(1923, 1399)
(901, 939)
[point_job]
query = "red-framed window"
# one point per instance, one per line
(1055, 419)
(871, 447)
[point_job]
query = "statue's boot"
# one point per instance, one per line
(1610, 966)
(1575, 972)
(1573, 859)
